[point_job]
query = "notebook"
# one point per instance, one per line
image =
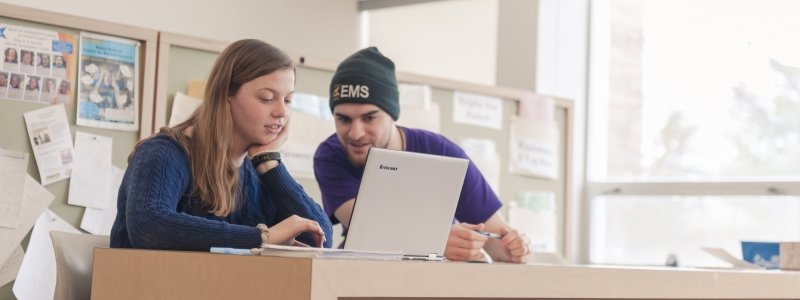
(406, 202)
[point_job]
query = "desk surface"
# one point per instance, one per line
(143, 274)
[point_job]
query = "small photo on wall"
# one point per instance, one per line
(64, 91)
(10, 59)
(26, 62)
(49, 91)
(3, 84)
(15, 86)
(43, 64)
(59, 66)
(32, 88)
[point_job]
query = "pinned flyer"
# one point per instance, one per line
(12, 183)
(478, 110)
(38, 65)
(37, 275)
(91, 176)
(415, 95)
(483, 152)
(534, 148)
(108, 75)
(51, 140)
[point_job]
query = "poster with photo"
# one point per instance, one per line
(108, 75)
(51, 142)
(32, 55)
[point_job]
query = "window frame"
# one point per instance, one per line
(597, 119)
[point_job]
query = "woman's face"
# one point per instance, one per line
(33, 83)
(63, 88)
(15, 81)
(260, 109)
(59, 60)
(11, 54)
(45, 60)
(3, 79)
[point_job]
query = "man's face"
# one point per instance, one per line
(360, 127)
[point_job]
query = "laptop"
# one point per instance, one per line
(406, 202)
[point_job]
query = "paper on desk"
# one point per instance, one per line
(50, 138)
(727, 257)
(91, 171)
(37, 199)
(290, 251)
(305, 133)
(182, 108)
(12, 187)
(478, 110)
(10, 268)
(100, 221)
(419, 117)
(37, 275)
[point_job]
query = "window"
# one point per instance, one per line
(705, 93)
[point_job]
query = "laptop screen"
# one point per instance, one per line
(406, 202)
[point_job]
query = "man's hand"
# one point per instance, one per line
(464, 243)
(513, 247)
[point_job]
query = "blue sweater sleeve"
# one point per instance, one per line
(290, 199)
(156, 179)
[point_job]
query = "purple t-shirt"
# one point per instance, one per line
(339, 180)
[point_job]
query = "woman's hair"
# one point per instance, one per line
(216, 177)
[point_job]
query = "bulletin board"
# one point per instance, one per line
(190, 59)
(13, 133)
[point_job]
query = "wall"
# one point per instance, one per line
(319, 28)
(516, 43)
(449, 39)
(561, 70)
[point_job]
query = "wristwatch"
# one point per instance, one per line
(264, 232)
(265, 156)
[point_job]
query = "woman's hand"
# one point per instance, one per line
(284, 232)
(271, 146)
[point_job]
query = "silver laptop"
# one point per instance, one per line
(406, 202)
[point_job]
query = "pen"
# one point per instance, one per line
(490, 234)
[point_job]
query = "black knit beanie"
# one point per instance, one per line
(366, 77)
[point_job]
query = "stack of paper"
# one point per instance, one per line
(290, 251)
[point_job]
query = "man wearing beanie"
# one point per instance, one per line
(365, 103)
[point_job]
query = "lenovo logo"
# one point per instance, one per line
(382, 167)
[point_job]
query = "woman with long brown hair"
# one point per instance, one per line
(216, 180)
